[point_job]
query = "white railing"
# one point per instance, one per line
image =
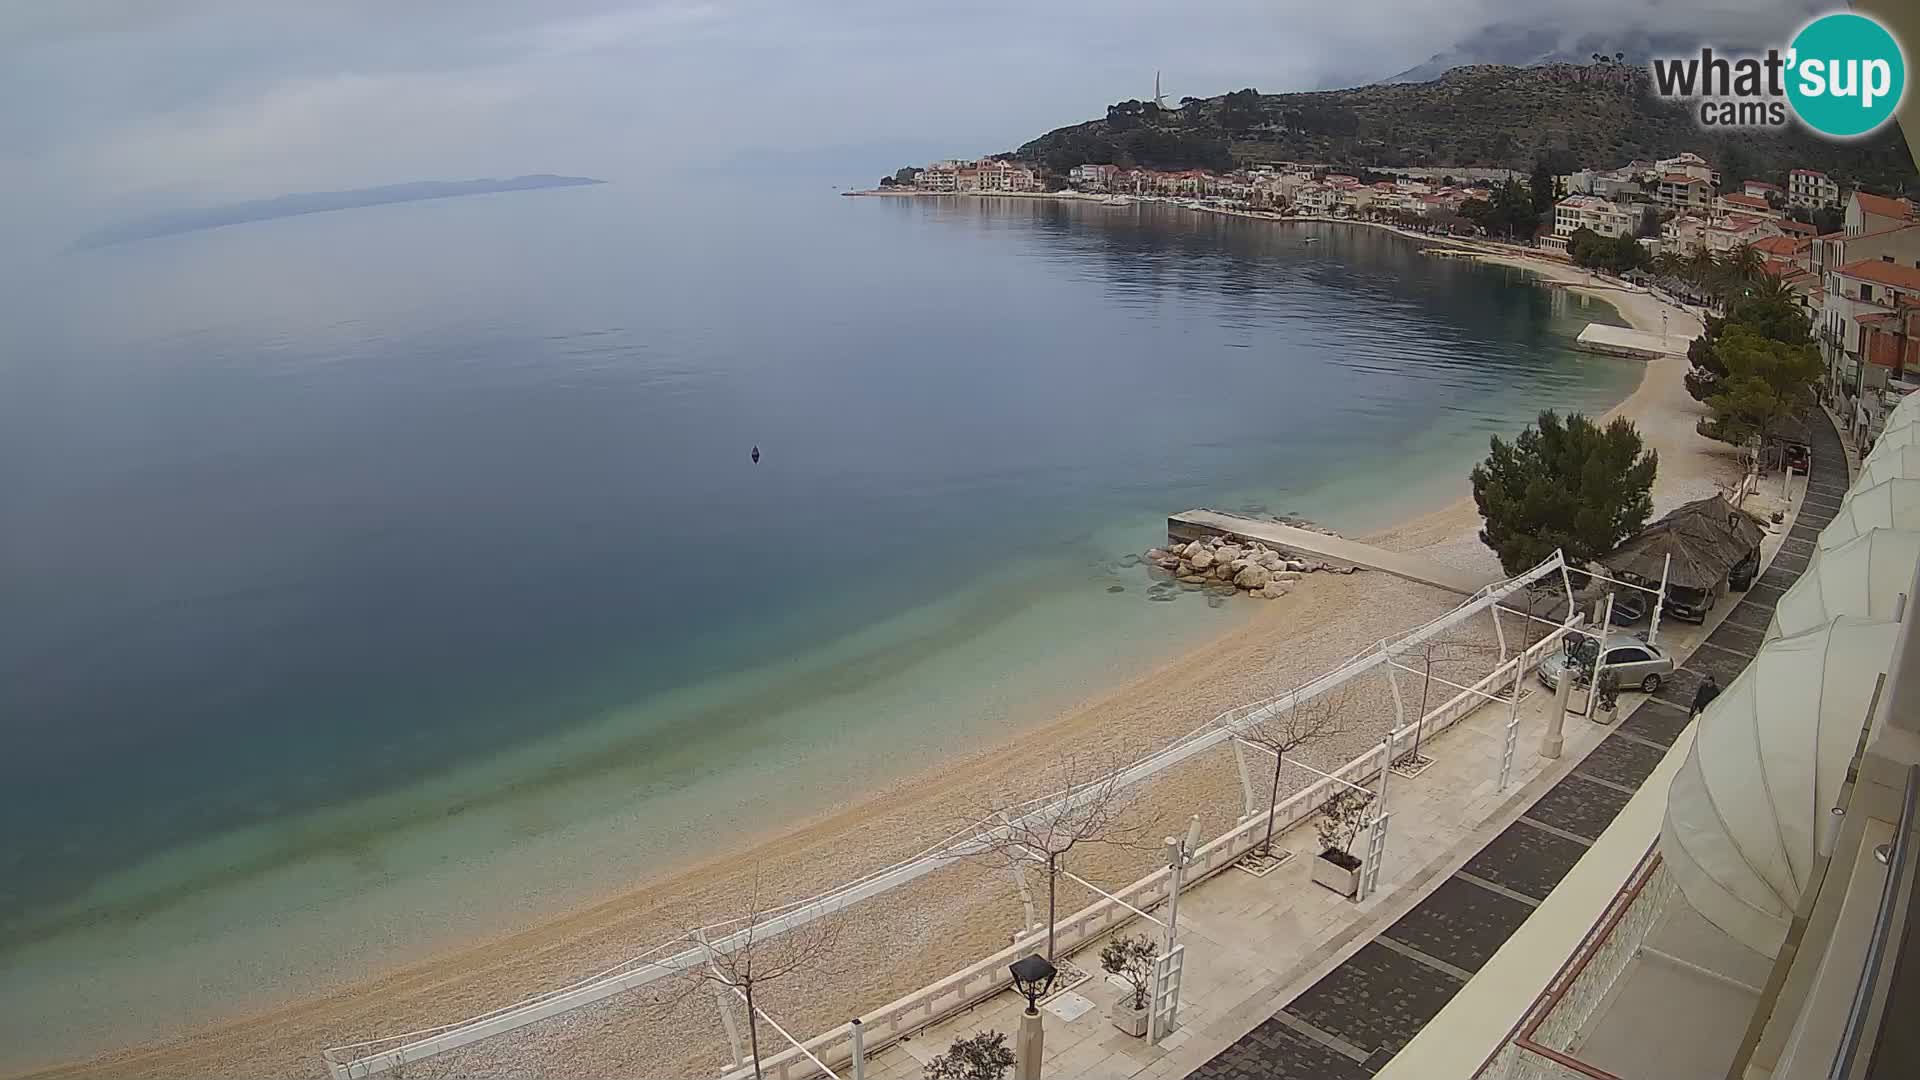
(365, 1059)
(983, 979)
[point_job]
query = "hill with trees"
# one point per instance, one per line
(1601, 115)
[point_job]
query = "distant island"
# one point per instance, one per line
(314, 202)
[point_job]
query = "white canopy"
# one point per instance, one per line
(1907, 434)
(1770, 755)
(1889, 504)
(1898, 463)
(1907, 410)
(1863, 576)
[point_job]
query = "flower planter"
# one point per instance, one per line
(1127, 1018)
(1338, 876)
(1604, 715)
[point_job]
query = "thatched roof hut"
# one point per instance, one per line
(1705, 538)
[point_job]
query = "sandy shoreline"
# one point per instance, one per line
(962, 913)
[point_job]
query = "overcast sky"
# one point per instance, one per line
(122, 105)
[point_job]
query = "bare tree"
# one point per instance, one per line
(1443, 652)
(749, 954)
(1284, 731)
(1086, 804)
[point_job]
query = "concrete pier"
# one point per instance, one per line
(1197, 524)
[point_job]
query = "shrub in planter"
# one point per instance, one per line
(983, 1055)
(1609, 691)
(1131, 959)
(1338, 825)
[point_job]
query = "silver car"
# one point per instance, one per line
(1634, 661)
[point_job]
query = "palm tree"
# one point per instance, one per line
(1743, 265)
(1700, 268)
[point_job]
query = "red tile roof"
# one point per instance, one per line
(1761, 184)
(1809, 172)
(1881, 206)
(1681, 178)
(1752, 202)
(1780, 246)
(1884, 273)
(1798, 227)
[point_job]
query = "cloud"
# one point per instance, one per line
(118, 104)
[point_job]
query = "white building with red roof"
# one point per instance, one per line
(1811, 188)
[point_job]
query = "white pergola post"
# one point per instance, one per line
(1513, 723)
(1659, 602)
(859, 1033)
(1600, 658)
(1377, 827)
(1246, 780)
(1499, 634)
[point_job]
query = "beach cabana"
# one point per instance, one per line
(1696, 547)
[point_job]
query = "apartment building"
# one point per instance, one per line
(1811, 188)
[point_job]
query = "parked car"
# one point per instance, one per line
(1742, 575)
(1630, 606)
(1688, 605)
(1636, 662)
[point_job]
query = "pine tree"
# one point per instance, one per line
(1567, 485)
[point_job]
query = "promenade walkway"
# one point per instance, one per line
(1285, 980)
(1351, 1022)
(1194, 524)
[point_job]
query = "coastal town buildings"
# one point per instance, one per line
(1683, 191)
(1868, 213)
(1603, 216)
(1811, 188)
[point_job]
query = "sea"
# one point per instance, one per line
(377, 580)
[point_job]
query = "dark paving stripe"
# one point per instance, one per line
(1798, 547)
(1778, 579)
(1526, 860)
(1274, 1051)
(1625, 763)
(1581, 807)
(1679, 688)
(1788, 560)
(1820, 502)
(1657, 721)
(1461, 924)
(1753, 614)
(1734, 636)
(1723, 665)
(1806, 530)
(1377, 1000)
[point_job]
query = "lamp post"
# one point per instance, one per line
(1032, 977)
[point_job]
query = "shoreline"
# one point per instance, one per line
(1313, 627)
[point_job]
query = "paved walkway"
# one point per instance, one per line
(1194, 524)
(1353, 1020)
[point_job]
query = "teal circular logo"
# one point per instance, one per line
(1846, 75)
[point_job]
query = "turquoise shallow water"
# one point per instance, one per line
(379, 578)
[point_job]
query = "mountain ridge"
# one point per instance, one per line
(1486, 116)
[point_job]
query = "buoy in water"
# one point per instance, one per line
(756, 455)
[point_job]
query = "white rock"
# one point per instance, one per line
(1274, 590)
(1155, 554)
(1287, 575)
(1201, 559)
(1296, 566)
(1252, 577)
(1272, 561)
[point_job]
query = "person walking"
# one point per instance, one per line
(1709, 689)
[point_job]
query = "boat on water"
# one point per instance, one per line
(1313, 240)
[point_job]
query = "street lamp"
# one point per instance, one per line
(1032, 977)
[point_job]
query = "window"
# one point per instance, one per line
(1627, 656)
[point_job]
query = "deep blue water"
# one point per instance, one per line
(306, 511)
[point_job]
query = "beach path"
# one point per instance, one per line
(1194, 524)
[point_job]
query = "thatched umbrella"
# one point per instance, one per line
(1699, 561)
